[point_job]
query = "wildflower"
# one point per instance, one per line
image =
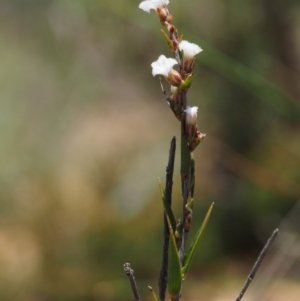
(190, 50)
(164, 66)
(191, 115)
(160, 7)
(147, 5)
(194, 136)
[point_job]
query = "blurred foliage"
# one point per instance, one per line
(85, 133)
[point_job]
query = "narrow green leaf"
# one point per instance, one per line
(174, 266)
(167, 207)
(195, 242)
(187, 83)
(154, 297)
(167, 39)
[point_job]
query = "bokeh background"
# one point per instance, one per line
(85, 133)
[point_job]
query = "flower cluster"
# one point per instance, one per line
(180, 78)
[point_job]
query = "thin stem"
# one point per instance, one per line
(129, 272)
(163, 276)
(185, 171)
(186, 192)
(257, 264)
(164, 91)
(177, 57)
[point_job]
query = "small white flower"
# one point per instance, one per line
(163, 66)
(147, 5)
(191, 115)
(190, 50)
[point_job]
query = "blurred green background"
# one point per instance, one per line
(85, 133)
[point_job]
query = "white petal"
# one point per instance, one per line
(191, 115)
(147, 5)
(163, 65)
(189, 49)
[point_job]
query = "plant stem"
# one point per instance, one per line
(257, 264)
(185, 170)
(163, 276)
(129, 272)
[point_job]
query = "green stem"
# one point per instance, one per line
(163, 276)
(185, 171)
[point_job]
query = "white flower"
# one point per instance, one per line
(189, 49)
(191, 115)
(147, 5)
(163, 66)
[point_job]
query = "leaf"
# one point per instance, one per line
(153, 294)
(193, 247)
(187, 83)
(174, 266)
(167, 39)
(167, 207)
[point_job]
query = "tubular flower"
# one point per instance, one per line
(160, 7)
(191, 115)
(147, 5)
(164, 66)
(193, 135)
(190, 50)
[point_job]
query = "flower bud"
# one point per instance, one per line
(191, 116)
(175, 102)
(194, 137)
(188, 222)
(194, 142)
(164, 15)
(174, 78)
